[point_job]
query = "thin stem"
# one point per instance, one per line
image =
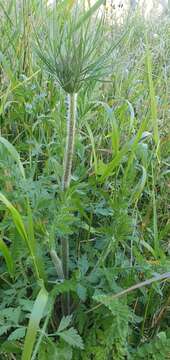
(69, 149)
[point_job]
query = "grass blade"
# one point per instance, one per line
(7, 256)
(154, 114)
(17, 219)
(11, 149)
(34, 322)
(89, 13)
(140, 186)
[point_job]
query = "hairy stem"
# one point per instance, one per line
(57, 263)
(68, 159)
(69, 149)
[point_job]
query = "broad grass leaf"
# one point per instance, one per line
(140, 186)
(92, 145)
(11, 149)
(7, 256)
(115, 135)
(16, 218)
(33, 326)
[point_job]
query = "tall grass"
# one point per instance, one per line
(84, 184)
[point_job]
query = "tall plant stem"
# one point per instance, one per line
(69, 149)
(68, 159)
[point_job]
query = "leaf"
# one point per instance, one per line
(83, 264)
(17, 219)
(148, 247)
(48, 351)
(154, 113)
(107, 298)
(89, 13)
(65, 322)
(11, 149)
(10, 347)
(7, 256)
(65, 287)
(11, 314)
(81, 292)
(72, 337)
(140, 186)
(92, 145)
(33, 326)
(30, 226)
(17, 334)
(26, 304)
(53, 351)
(114, 305)
(4, 329)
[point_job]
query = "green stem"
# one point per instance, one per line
(57, 263)
(68, 160)
(69, 149)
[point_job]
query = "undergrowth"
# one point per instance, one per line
(114, 213)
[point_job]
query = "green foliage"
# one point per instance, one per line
(158, 348)
(7, 256)
(72, 43)
(35, 318)
(115, 214)
(71, 337)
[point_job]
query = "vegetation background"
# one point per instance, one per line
(68, 252)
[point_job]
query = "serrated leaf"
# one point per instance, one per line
(17, 334)
(48, 351)
(72, 337)
(4, 329)
(65, 322)
(26, 304)
(11, 314)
